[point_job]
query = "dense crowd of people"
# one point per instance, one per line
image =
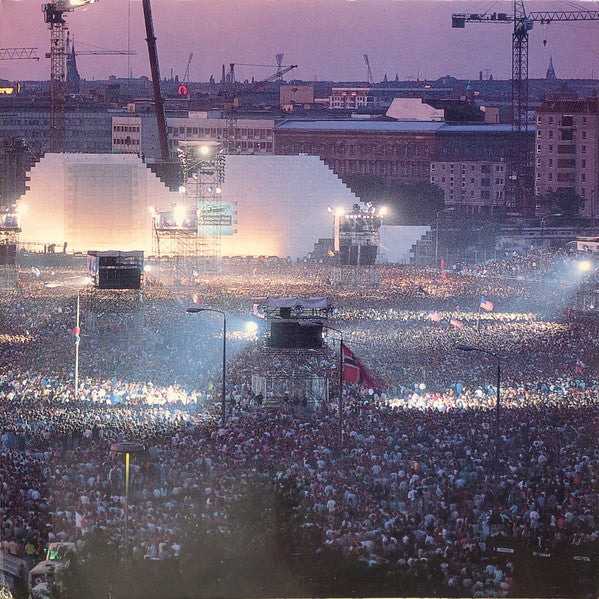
(413, 475)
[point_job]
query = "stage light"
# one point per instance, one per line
(584, 266)
(205, 150)
(383, 210)
(251, 327)
(179, 212)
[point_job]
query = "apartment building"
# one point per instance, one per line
(567, 149)
(475, 187)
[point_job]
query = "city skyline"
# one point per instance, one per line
(412, 39)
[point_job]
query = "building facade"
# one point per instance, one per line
(137, 134)
(88, 125)
(476, 188)
(400, 151)
(567, 149)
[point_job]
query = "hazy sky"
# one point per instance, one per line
(325, 38)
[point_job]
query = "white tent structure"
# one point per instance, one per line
(101, 202)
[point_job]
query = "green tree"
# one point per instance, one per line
(562, 201)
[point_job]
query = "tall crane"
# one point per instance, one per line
(368, 70)
(232, 99)
(54, 15)
(519, 175)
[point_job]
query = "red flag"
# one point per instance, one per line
(355, 372)
(458, 324)
(195, 298)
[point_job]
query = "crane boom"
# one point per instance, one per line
(158, 101)
(18, 54)
(105, 53)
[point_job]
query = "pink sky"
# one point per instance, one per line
(326, 38)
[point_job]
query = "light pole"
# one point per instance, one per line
(223, 404)
(127, 448)
(450, 209)
(543, 224)
(76, 331)
(498, 358)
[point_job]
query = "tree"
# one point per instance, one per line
(562, 201)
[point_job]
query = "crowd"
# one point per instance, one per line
(416, 481)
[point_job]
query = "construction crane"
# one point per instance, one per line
(186, 75)
(369, 72)
(18, 54)
(232, 99)
(54, 15)
(279, 58)
(519, 175)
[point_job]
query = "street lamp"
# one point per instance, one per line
(498, 358)
(127, 448)
(76, 330)
(194, 310)
(543, 222)
(450, 209)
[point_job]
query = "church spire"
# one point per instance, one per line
(550, 70)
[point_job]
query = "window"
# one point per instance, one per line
(564, 149)
(567, 121)
(568, 135)
(551, 134)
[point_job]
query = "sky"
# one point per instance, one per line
(327, 39)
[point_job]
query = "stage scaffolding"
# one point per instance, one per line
(9, 243)
(189, 236)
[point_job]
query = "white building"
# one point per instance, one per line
(138, 133)
(349, 98)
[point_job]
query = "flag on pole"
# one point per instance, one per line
(486, 305)
(356, 373)
(458, 324)
(195, 298)
(79, 521)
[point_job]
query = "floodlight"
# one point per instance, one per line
(179, 213)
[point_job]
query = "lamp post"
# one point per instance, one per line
(223, 404)
(76, 330)
(556, 214)
(126, 448)
(498, 358)
(450, 209)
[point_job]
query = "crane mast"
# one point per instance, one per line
(54, 16)
(519, 177)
